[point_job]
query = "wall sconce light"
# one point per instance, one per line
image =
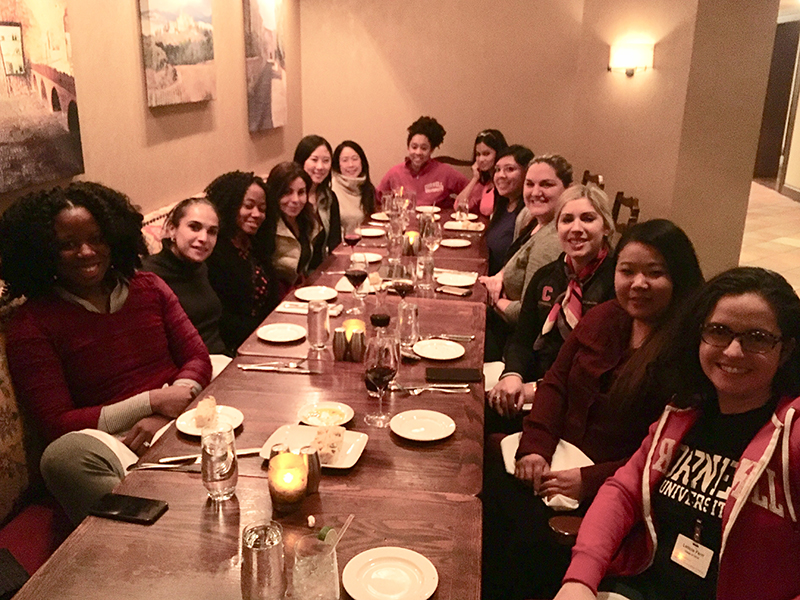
(630, 57)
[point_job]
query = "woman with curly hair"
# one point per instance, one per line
(313, 154)
(292, 222)
(240, 267)
(101, 355)
(434, 183)
(352, 184)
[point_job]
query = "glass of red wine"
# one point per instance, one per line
(382, 360)
(403, 283)
(351, 235)
(356, 274)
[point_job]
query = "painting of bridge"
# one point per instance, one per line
(41, 139)
(178, 51)
(265, 60)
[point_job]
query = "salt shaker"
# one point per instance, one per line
(318, 324)
(314, 468)
(358, 346)
(339, 344)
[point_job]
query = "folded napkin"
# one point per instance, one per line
(343, 285)
(566, 456)
(301, 308)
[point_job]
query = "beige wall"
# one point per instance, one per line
(158, 156)
(371, 67)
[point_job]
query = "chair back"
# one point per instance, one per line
(450, 160)
(629, 202)
(596, 179)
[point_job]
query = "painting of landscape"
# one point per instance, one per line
(41, 139)
(178, 51)
(264, 27)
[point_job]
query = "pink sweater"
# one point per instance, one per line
(435, 184)
(67, 362)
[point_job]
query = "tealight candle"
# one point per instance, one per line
(288, 478)
(411, 243)
(353, 325)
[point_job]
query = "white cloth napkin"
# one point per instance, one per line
(301, 308)
(343, 285)
(566, 456)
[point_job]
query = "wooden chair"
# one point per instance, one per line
(458, 162)
(595, 179)
(629, 202)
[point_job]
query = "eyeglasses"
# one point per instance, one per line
(754, 341)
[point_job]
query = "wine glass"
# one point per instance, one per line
(356, 274)
(351, 234)
(403, 284)
(431, 234)
(382, 360)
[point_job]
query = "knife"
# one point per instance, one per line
(175, 459)
(277, 369)
(192, 468)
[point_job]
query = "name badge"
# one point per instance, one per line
(433, 188)
(692, 556)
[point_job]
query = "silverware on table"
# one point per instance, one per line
(192, 468)
(276, 369)
(453, 337)
(185, 457)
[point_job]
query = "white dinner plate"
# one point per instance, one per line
(325, 413)
(371, 257)
(372, 232)
(185, 422)
(379, 216)
(298, 436)
(315, 292)
(422, 425)
(464, 226)
(429, 209)
(281, 333)
(456, 279)
(470, 217)
(437, 349)
(390, 573)
(456, 243)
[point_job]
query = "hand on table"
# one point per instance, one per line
(572, 590)
(508, 396)
(170, 401)
(138, 438)
(567, 483)
(494, 285)
(531, 469)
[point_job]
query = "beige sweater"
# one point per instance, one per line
(286, 257)
(543, 247)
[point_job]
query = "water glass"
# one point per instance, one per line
(262, 574)
(316, 571)
(218, 460)
(408, 324)
(425, 272)
(318, 324)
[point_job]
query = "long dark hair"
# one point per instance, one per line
(679, 367)
(29, 250)
(496, 141)
(278, 185)
(306, 147)
(522, 156)
(367, 188)
(226, 193)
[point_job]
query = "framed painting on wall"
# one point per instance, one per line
(41, 139)
(265, 59)
(178, 51)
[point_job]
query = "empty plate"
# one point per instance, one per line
(371, 257)
(380, 216)
(281, 333)
(315, 292)
(428, 209)
(390, 573)
(422, 425)
(371, 232)
(456, 243)
(456, 279)
(437, 349)
(185, 422)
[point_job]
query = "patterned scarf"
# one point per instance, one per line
(568, 307)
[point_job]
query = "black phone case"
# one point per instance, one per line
(453, 374)
(131, 509)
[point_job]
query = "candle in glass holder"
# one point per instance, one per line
(288, 478)
(411, 243)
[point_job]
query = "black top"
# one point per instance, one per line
(500, 236)
(244, 306)
(546, 285)
(330, 238)
(190, 283)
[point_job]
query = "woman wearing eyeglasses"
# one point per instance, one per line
(707, 506)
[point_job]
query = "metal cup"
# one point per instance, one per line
(262, 574)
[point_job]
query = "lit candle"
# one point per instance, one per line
(411, 243)
(288, 478)
(353, 325)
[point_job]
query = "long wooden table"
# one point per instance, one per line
(410, 494)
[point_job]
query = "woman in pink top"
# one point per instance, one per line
(479, 192)
(434, 183)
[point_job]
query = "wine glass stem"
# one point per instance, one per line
(381, 393)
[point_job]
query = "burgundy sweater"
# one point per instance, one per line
(67, 362)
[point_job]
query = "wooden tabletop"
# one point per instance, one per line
(192, 551)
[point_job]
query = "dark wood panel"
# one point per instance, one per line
(193, 550)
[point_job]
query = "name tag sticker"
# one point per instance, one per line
(692, 556)
(432, 188)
